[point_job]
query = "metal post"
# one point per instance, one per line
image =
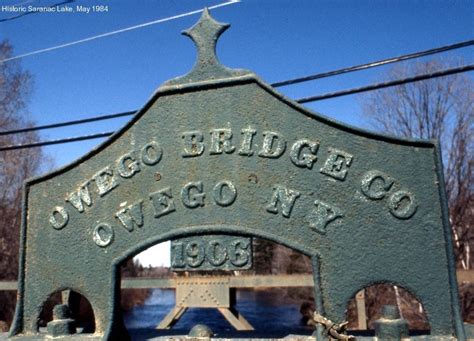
(318, 297)
(361, 313)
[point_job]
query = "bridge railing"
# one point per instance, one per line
(254, 281)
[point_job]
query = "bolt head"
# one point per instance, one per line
(200, 330)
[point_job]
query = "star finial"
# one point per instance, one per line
(205, 34)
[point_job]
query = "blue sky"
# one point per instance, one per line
(277, 39)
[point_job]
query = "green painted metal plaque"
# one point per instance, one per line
(214, 252)
(366, 208)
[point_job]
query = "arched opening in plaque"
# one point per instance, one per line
(371, 303)
(273, 297)
(66, 310)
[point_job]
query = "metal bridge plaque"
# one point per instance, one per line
(214, 252)
(366, 208)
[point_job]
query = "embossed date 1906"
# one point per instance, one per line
(208, 253)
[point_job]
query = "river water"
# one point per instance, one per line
(267, 314)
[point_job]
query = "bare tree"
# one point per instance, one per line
(15, 167)
(438, 108)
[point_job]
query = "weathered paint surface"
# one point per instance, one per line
(220, 152)
(211, 252)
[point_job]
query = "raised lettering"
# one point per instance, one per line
(103, 235)
(163, 202)
(402, 204)
(216, 253)
(322, 215)
(224, 193)
(192, 194)
(240, 252)
(59, 217)
(132, 216)
(375, 184)
(193, 143)
(178, 255)
(195, 254)
(304, 159)
(80, 197)
(127, 166)
(105, 180)
(273, 146)
(286, 197)
(151, 153)
(221, 141)
(337, 164)
(246, 143)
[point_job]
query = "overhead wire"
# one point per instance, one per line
(67, 123)
(277, 84)
(377, 86)
(58, 141)
(122, 30)
(375, 64)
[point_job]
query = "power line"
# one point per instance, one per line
(372, 87)
(67, 123)
(376, 63)
(108, 34)
(277, 84)
(59, 141)
(383, 85)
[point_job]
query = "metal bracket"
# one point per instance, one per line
(203, 292)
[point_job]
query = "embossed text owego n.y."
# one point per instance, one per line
(304, 153)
